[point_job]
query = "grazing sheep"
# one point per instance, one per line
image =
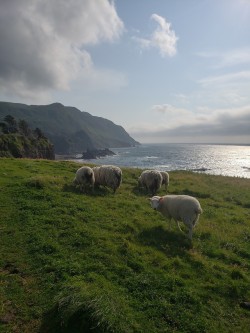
(179, 207)
(84, 178)
(108, 175)
(165, 178)
(151, 180)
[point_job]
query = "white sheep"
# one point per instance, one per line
(151, 180)
(108, 175)
(165, 178)
(84, 178)
(179, 207)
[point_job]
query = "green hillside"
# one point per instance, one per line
(69, 129)
(99, 262)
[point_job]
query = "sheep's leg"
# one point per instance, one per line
(190, 232)
(189, 222)
(177, 222)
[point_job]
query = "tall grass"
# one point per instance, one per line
(99, 262)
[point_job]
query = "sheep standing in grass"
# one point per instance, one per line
(165, 179)
(108, 175)
(182, 208)
(151, 180)
(84, 178)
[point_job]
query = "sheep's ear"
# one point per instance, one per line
(148, 199)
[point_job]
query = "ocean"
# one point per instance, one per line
(226, 160)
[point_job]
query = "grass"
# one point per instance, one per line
(99, 262)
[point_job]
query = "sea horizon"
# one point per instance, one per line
(216, 159)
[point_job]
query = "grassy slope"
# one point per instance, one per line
(72, 262)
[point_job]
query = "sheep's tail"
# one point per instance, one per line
(118, 177)
(199, 210)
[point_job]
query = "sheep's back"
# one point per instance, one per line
(180, 206)
(110, 176)
(150, 178)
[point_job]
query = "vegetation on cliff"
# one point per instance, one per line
(18, 140)
(99, 262)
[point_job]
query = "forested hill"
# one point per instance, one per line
(69, 129)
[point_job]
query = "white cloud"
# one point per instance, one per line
(81, 22)
(173, 116)
(163, 108)
(43, 43)
(204, 125)
(232, 58)
(226, 78)
(224, 90)
(163, 38)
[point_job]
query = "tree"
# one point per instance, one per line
(39, 134)
(11, 124)
(4, 127)
(24, 127)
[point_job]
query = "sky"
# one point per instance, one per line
(165, 70)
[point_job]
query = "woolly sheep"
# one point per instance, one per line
(165, 178)
(151, 180)
(179, 207)
(84, 178)
(108, 175)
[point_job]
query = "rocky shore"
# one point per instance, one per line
(90, 154)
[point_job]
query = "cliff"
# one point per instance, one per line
(70, 130)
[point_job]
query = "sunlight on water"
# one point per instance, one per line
(227, 160)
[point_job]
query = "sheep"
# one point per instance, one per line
(84, 178)
(151, 180)
(165, 178)
(179, 207)
(108, 175)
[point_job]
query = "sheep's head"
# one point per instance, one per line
(155, 201)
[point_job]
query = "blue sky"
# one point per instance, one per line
(167, 71)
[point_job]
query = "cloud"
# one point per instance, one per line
(43, 42)
(163, 108)
(174, 116)
(226, 78)
(223, 90)
(231, 58)
(206, 126)
(163, 38)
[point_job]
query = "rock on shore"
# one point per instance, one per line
(96, 153)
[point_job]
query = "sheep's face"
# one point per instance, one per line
(155, 201)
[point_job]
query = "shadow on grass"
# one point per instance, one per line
(79, 321)
(96, 192)
(142, 192)
(170, 242)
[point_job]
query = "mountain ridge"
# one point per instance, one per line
(68, 128)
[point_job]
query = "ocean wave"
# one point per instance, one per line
(150, 157)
